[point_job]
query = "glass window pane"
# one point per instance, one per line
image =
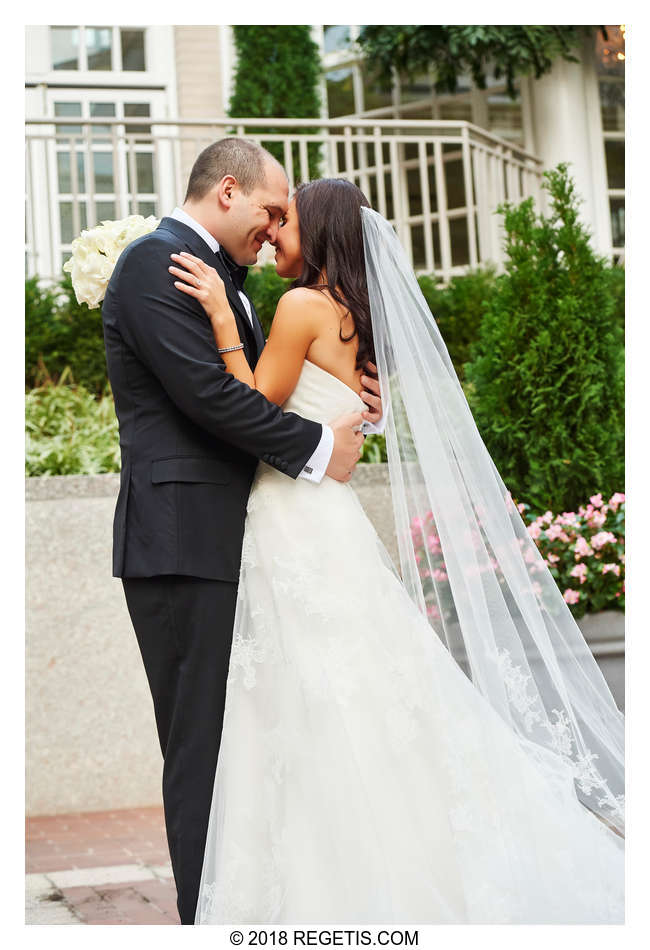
(454, 180)
(64, 172)
(612, 105)
(99, 46)
(504, 116)
(68, 233)
(98, 109)
(617, 213)
(418, 88)
(146, 208)
(414, 191)
(335, 37)
(374, 97)
(340, 92)
(103, 169)
(417, 246)
(615, 160)
(65, 109)
(144, 171)
(459, 240)
(65, 47)
(105, 211)
(133, 50)
(133, 109)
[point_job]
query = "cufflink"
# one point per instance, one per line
(308, 470)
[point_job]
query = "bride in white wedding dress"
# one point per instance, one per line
(363, 775)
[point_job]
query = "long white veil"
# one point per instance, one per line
(467, 559)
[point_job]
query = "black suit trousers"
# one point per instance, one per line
(184, 629)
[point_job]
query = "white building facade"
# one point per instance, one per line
(116, 115)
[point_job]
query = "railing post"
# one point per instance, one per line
(304, 160)
(349, 154)
(133, 171)
(288, 162)
(91, 215)
(121, 195)
(363, 164)
(443, 219)
(427, 222)
(74, 187)
(379, 170)
(469, 198)
(480, 159)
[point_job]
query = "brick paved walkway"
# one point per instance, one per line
(99, 868)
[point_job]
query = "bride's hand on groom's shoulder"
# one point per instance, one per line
(202, 282)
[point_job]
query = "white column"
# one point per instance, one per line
(566, 126)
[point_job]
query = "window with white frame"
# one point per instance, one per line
(352, 91)
(98, 48)
(97, 174)
(610, 68)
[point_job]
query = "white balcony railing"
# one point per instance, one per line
(438, 181)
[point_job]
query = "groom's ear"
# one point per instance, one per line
(226, 190)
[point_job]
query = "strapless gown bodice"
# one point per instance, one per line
(321, 396)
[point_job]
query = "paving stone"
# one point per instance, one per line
(109, 867)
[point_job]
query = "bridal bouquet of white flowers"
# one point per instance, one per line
(95, 253)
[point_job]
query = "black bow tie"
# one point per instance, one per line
(237, 272)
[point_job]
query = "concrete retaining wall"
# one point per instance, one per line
(91, 738)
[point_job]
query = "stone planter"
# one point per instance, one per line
(91, 737)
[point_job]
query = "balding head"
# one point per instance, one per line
(247, 162)
(238, 191)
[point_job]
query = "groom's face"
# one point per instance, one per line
(255, 218)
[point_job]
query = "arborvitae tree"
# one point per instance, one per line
(277, 76)
(546, 377)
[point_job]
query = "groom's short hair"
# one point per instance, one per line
(244, 160)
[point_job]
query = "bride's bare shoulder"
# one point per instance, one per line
(319, 302)
(298, 296)
(306, 305)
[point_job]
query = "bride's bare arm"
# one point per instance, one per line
(301, 315)
(295, 327)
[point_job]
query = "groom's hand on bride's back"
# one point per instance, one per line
(348, 442)
(371, 393)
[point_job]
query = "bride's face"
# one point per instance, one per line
(288, 256)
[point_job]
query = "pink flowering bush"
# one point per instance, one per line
(584, 551)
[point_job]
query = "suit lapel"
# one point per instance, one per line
(257, 331)
(195, 244)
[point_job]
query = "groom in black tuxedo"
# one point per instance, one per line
(190, 437)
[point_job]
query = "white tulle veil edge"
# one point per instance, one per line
(466, 556)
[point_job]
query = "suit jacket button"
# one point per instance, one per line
(283, 465)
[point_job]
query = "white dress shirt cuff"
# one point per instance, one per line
(316, 466)
(374, 428)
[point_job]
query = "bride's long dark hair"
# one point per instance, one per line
(331, 239)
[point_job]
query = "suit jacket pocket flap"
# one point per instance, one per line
(189, 470)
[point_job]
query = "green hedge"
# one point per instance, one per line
(60, 334)
(69, 431)
(546, 376)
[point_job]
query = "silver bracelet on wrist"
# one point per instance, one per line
(229, 349)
